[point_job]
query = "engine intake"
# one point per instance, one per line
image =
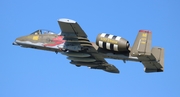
(112, 42)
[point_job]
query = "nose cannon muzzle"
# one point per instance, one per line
(14, 43)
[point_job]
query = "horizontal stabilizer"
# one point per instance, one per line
(154, 62)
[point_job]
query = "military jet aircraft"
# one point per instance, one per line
(73, 43)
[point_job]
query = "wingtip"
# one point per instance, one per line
(112, 69)
(65, 20)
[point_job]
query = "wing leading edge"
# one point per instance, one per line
(80, 50)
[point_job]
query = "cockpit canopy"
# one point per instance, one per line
(40, 31)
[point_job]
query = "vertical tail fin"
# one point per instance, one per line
(142, 44)
(152, 59)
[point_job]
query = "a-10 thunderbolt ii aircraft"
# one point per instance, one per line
(73, 42)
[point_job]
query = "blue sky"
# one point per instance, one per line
(35, 73)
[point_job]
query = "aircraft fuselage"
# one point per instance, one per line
(74, 43)
(54, 42)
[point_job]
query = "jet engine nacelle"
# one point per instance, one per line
(112, 42)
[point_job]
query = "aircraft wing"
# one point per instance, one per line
(80, 50)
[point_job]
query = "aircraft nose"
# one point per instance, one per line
(18, 40)
(15, 42)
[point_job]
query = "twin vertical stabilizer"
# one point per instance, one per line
(152, 59)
